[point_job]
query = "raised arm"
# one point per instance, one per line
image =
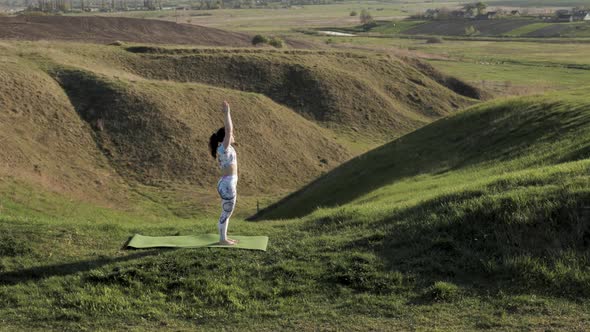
(229, 127)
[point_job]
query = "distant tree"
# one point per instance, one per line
(259, 39)
(366, 17)
(480, 6)
(353, 13)
(443, 13)
(275, 42)
(470, 8)
(471, 31)
(476, 7)
(434, 40)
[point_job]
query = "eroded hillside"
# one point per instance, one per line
(95, 122)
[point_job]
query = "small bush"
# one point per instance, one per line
(443, 292)
(353, 13)
(366, 17)
(275, 42)
(368, 26)
(259, 39)
(471, 31)
(11, 246)
(434, 40)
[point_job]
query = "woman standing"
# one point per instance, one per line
(221, 147)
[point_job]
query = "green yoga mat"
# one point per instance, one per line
(196, 241)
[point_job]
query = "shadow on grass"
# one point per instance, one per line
(534, 243)
(514, 236)
(503, 132)
(41, 272)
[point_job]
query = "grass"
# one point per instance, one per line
(504, 78)
(487, 229)
(478, 221)
(543, 3)
(277, 19)
(304, 111)
(318, 69)
(527, 29)
(474, 144)
(508, 68)
(578, 30)
(395, 27)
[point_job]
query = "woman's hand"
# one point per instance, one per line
(225, 106)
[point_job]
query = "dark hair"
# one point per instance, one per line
(215, 139)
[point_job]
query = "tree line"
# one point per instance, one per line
(119, 5)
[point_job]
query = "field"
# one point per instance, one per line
(457, 28)
(448, 239)
(538, 3)
(526, 28)
(404, 184)
(276, 19)
(503, 67)
(316, 96)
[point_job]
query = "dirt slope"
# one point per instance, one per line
(158, 132)
(45, 143)
(107, 29)
(376, 97)
(159, 109)
(154, 134)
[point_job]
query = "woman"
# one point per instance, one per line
(220, 145)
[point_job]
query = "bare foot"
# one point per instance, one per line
(232, 240)
(226, 243)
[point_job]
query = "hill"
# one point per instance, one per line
(109, 29)
(157, 111)
(536, 3)
(508, 27)
(476, 222)
(153, 133)
(457, 27)
(370, 98)
(517, 134)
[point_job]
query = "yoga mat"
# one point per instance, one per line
(197, 241)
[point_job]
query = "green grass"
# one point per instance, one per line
(278, 19)
(508, 68)
(514, 133)
(505, 78)
(577, 30)
(395, 27)
(474, 222)
(533, 3)
(527, 29)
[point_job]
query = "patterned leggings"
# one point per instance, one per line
(226, 187)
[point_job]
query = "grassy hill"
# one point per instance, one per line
(155, 134)
(158, 111)
(507, 135)
(506, 27)
(109, 29)
(532, 3)
(476, 222)
(372, 98)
